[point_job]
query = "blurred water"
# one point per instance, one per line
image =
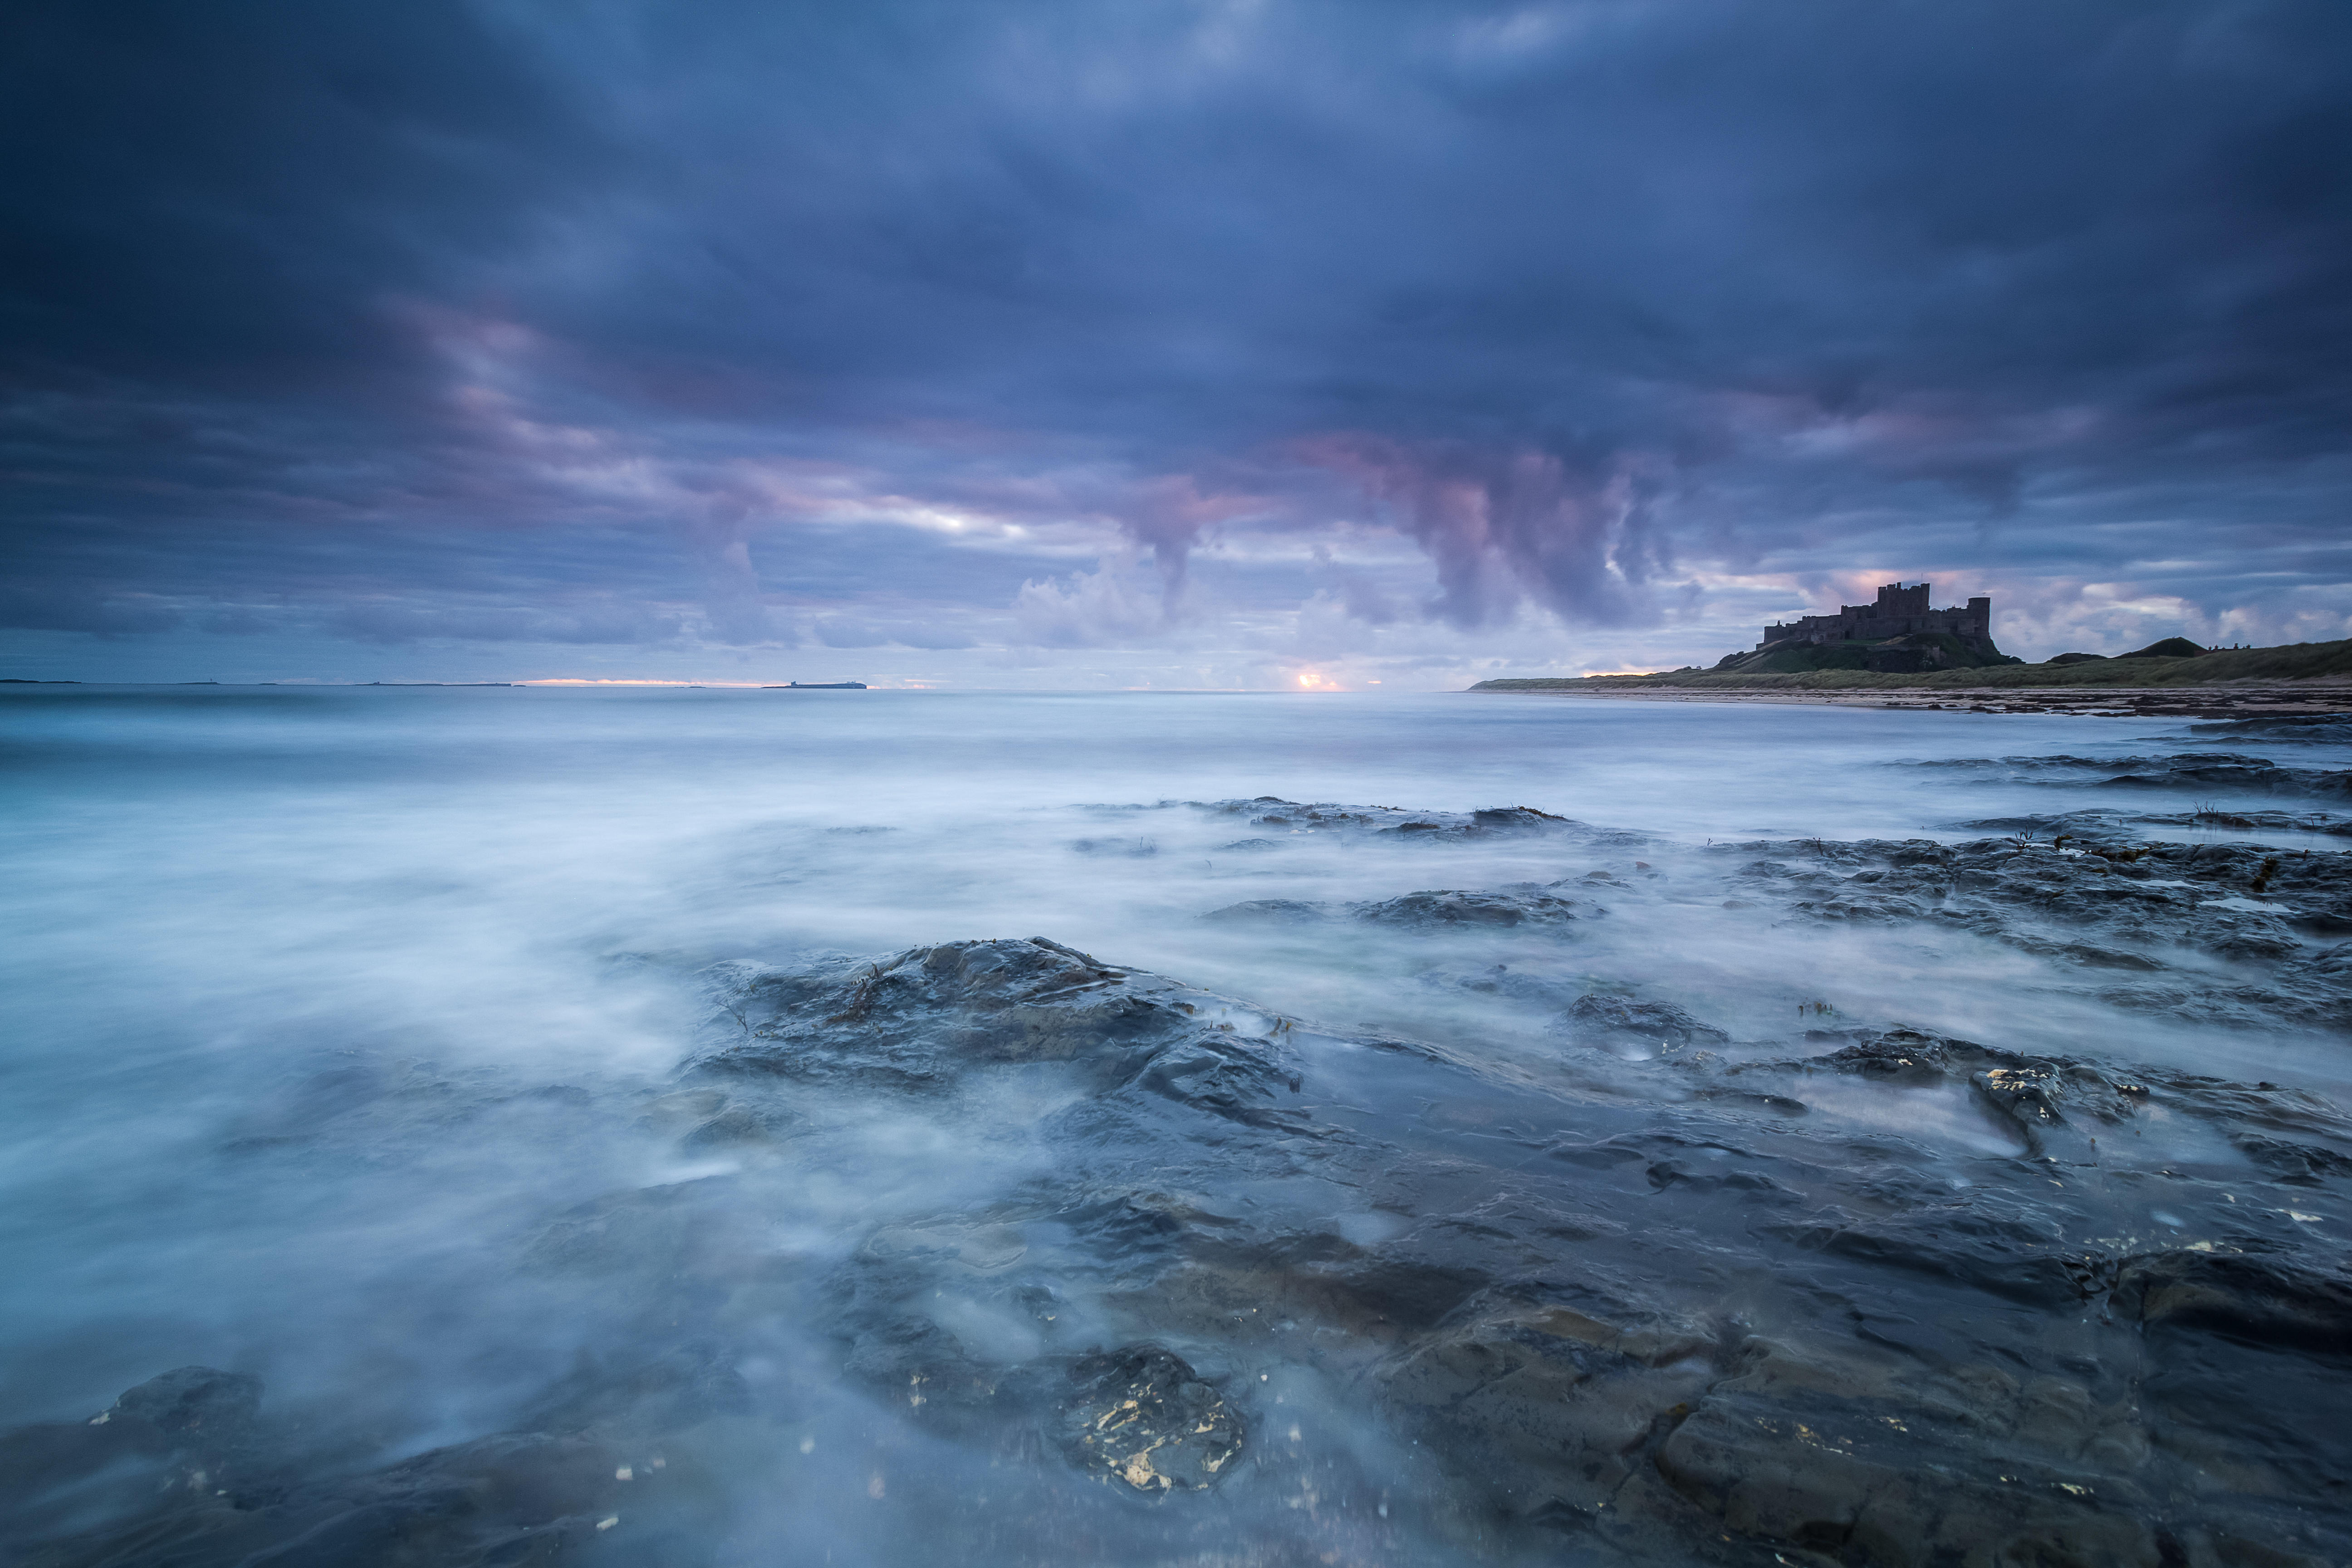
(218, 901)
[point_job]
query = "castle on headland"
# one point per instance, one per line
(1900, 611)
(1898, 634)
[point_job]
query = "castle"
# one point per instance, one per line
(1900, 611)
(1899, 634)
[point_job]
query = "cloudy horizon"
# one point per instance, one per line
(1257, 343)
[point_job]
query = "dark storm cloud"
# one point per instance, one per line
(220, 196)
(612, 320)
(376, 621)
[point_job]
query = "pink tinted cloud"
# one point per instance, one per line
(1506, 524)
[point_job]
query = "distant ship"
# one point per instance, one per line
(818, 686)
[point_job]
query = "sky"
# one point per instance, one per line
(1254, 343)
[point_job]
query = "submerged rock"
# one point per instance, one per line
(1598, 1019)
(185, 1435)
(1270, 912)
(1141, 1417)
(522, 1497)
(1392, 823)
(1131, 848)
(1437, 909)
(1474, 908)
(2332, 729)
(195, 1405)
(930, 1018)
(2102, 901)
(2184, 771)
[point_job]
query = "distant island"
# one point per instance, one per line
(1900, 652)
(818, 686)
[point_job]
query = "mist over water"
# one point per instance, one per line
(416, 1052)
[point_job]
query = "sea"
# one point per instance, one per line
(704, 1105)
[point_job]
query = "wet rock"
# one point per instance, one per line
(2291, 998)
(1432, 910)
(733, 1128)
(1126, 848)
(511, 1497)
(662, 1228)
(1910, 1056)
(2090, 956)
(1519, 985)
(912, 1360)
(2329, 728)
(2241, 1382)
(1448, 1285)
(895, 1300)
(2253, 1300)
(1456, 909)
(2207, 819)
(2252, 774)
(1270, 912)
(1391, 823)
(2101, 902)
(1518, 820)
(1988, 1241)
(1252, 1285)
(1776, 1104)
(2262, 1548)
(188, 1434)
(926, 1019)
(1605, 1020)
(1140, 1418)
(1692, 1167)
(193, 1405)
(2026, 1095)
(2299, 1164)
(2054, 1107)
(684, 1110)
(1851, 1484)
(1545, 1403)
(682, 1388)
(2183, 771)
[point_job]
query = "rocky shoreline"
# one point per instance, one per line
(1664, 1281)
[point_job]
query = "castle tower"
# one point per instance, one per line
(1895, 599)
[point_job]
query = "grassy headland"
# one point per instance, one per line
(2296, 661)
